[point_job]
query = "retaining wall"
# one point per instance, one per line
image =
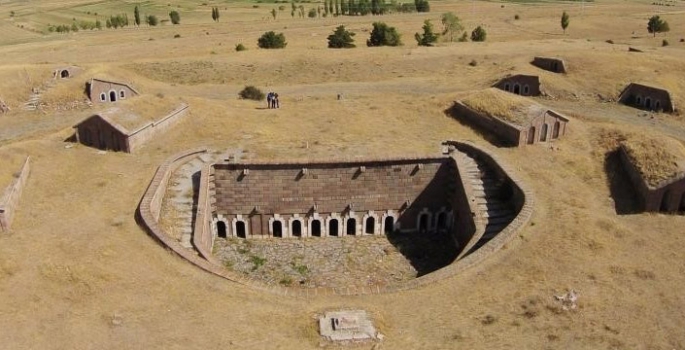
(10, 198)
(145, 133)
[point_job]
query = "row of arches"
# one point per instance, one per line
(517, 89)
(334, 225)
(112, 96)
(544, 130)
(648, 103)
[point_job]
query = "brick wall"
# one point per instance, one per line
(10, 198)
(506, 133)
(407, 187)
(555, 65)
(98, 133)
(143, 134)
(647, 97)
(518, 83)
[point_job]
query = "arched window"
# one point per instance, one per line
(240, 229)
(296, 228)
(423, 222)
(334, 227)
(531, 135)
(648, 103)
(221, 229)
(64, 74)
(517, 89)
(370, 226)
(441, 221)
(112, 96)
(316, 228)
(507, 87)
(122, 94)
(665, 201)
(103, 97)
(351, 226)
(389, 224)
(526, 89)
(543, 133)
(555, 130)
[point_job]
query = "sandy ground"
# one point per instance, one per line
(77, 272)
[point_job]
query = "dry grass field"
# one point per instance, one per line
(76, 272)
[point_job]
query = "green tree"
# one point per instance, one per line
(271, 40)
(428, 38)
(344, 7)
(98, 24)
(478, 34)
(136, 16)
(422, 6)
(564, 21)
(330, 7)
(337, 8)
(451, 25)
(215, 14)
(382, 35)
(351, 8)
(74, 27)
(151, 20)
(657, 25)
(341, 39)
(273, 13)
(175, 17)
(364, 7)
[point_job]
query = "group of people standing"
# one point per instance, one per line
(272, 100)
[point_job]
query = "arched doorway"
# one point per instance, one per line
(526, 90)
(296, 228)
(517, 89)
(657, 105)
(423, 222)
(555, 130)
(221, 229)
(277, 228)
(64, 74)
(555, 67)
(648, 103)
(389, 224)
(507, 87)
(543, 133)
(370, 226)
(240, 229)
(351, 226)
(333, 227)
(638, 101)
(531, 135)
(112, 96)
(441, 221)
(316, 228)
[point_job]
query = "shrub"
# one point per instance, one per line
(240, 47)
(382, 35)
(311, 13)
(664, 42)
(151, 20)
(251, 93)
(271, 40)
(464, 38)
(175, 17)
(517, 17)
(428, 37)
(341, 39)
(422, 6)
(473, 63)
(478, 34)
(177, 36)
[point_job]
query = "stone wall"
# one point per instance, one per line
(647, 97)
(10, 198)
(524, 85)
(203, 237)
(667, 197)
(506, 133)
(259, 193)
(143, 134)
(97, 88)
(99, 133)
(555, 65)
(546, 127)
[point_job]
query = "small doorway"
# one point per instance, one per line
(333, 229)
(665, 201)
(543, 133)
(316, 228)
(221, 229)
(555, 67)
(507, 87)
(657, 105)
(517, 89)
(648, 103)
(277, 228)
(389, 225)
(441, 222)
(112, 96)
(64, 74)
(240, 230)
(297, 228)
(351, 226)
(370, 226)
(531, 135)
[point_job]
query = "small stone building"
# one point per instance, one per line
(555, 65)
(656, 167)
(103, 91)
(647, 97)
(520, 84)
(119, 130)
(66, 72)
(512, 119)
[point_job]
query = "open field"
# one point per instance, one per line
(77, 272)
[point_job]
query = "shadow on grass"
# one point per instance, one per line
(426, 251)
(620, 186)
